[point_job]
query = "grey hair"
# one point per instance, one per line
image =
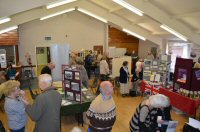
(159, 100)
(45, 78)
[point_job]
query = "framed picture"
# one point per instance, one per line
(197, 73)
(182, 75)
(68, 75)
(75, 86)
(77, 75)
(70, 95)
(78, 97)
(67, 84)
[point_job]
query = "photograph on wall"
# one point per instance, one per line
(68, 75)
(182, 75)
(70, 95)
(78, 97)
(75, 86)
(197, 73)
(77, 76)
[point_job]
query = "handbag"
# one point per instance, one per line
(2, 129)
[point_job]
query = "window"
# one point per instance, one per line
(176, 50)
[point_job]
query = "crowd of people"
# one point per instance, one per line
(101, 115)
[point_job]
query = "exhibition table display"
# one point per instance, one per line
(75, 98)
(185, 92)
(186, 104)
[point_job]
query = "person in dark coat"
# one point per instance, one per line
(124, 79)
(47, 69)
(45, 110)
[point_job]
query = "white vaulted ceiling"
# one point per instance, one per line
(181, 15)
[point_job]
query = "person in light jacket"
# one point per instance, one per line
(14, 106)
(124, 79)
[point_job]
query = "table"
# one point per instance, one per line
(148, 86)
(187, 105)
(76, 108)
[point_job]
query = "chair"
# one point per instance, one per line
(116, 84)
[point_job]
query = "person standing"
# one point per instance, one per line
(102, 111)
(11, 72)
(124, 79)
(14, 106)
(88, 63)
(47, 69)
(80, 66)
(45, 110)
(197, 64)
(104, 69)
(139, 69)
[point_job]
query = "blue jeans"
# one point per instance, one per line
(19, 130)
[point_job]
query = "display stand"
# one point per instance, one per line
(71, 83)
(156, 72)
(183, 74)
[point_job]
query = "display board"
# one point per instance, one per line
(157, 71)
(116, 52)
(183, 73)
(71, 83)
(59, 55)
(117, 64)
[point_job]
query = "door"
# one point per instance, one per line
(43, 58)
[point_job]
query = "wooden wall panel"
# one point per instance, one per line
(9, 38)
(120, 39)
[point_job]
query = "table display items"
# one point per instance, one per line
(71, 83)
(187, 79)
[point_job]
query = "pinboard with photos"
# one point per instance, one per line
(71, 82)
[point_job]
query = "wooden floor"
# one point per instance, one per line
(125, 109)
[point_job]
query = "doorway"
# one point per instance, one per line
(42, 57)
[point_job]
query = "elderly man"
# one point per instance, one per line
(45, 110)
(47, 69)
(102, 111)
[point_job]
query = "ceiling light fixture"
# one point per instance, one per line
(8, 29)
(129, 7)
(173, 32)
(92, 15)
(134, 34)
(59, 3)
(4, 20)
(56, 14)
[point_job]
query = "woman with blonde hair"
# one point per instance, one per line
(14, 106)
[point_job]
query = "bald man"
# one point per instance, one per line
(102, 111)
(45, 110)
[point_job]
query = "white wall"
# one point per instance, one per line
(82, 32)
(144, 46)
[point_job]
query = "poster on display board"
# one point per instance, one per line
(71, 80)
(197, 73)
